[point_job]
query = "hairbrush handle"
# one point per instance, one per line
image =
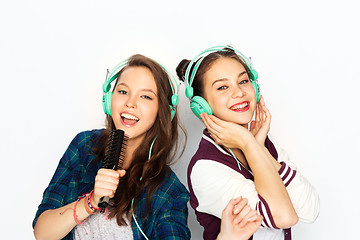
(104, 202)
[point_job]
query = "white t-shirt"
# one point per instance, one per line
(97, 227)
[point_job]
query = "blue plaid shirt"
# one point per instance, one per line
(76, 173)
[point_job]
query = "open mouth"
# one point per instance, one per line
(240, 107)
(129, 119)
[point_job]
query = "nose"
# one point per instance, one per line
(238, 92)
(131, 102)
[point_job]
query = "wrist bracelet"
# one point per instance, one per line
(90, 204)
(88, 207)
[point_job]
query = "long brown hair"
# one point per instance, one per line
(198, 82)
(151, 171)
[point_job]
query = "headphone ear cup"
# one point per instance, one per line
(199, 105)
(107, 103)
(257, 89)
(174, 102)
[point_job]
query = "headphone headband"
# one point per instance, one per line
(113, 75)
(188, 81)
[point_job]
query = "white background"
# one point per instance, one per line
(54, 56)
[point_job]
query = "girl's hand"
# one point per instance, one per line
(261, 126)
(228, 134)
(238, 220)
(106, 182)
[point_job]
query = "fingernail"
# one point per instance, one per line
(235, 210)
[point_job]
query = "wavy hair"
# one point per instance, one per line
(151, 170)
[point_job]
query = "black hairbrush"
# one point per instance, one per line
(114, 156)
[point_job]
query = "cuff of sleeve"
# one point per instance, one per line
(263, 208)
(286, 174)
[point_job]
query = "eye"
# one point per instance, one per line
(122, 92)
(222, 88)
(244, 81)
(146, 97)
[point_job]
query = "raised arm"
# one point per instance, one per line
(267, 181)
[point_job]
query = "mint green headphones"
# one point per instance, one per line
(106, 100)
(198, 104)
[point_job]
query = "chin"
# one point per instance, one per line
(242, 123)
(243, 120)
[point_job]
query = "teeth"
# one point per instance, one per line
(129, 116)
(239, 106)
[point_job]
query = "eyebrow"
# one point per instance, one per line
(143, 89)
(225, 79)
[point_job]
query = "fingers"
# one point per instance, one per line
(237, 209)
(220, 123)
(255, 218)
(252, 125)
(205, 118)
(267, 114)
(260, 107)
(231, 207)
(257, 113)
(240, 206)
(242, 214)
(259, 219)
(262, 113)
(121, 172)
(213, 128)
(106, 182)
(251, 216)
(211, 122)
(264, 109)
(262, 101)
(259, 110)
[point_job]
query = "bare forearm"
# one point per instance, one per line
(57, 223)
(275, 163)
(269, 184)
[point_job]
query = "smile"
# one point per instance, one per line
(128, 119)
(240, 107)
(129, 116)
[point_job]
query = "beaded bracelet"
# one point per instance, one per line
(89, 209)
(90, 204)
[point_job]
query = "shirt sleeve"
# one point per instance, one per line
(53, 196)
(215, 184)
(303, 195)
(172, 221)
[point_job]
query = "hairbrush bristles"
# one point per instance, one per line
(116, 148)
(122, 152)
(114, 156)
